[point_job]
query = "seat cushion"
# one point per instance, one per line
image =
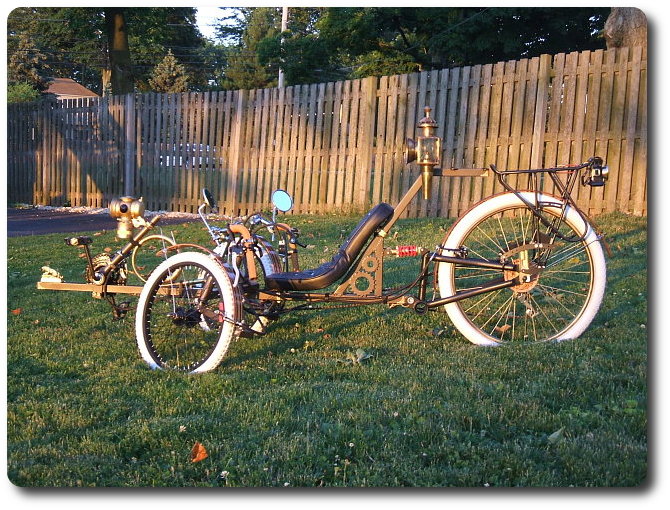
(329, 272)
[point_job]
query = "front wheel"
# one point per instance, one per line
(567, 273)
(188, 314)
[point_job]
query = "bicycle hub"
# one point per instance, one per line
(125, 210)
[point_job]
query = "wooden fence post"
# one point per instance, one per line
(41, 179)
(368, 116)
(129, 167)
(236, 154)
(541, 102)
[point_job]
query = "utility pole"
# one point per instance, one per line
(284, 26)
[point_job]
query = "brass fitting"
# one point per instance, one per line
(125, 209)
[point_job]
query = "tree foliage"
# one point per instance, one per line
(319, 44)
(353, 42)
(253, 26)
(401, 39)
(74, 41)
(22, 92)
(169, 76)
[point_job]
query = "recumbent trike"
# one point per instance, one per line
(519, 266)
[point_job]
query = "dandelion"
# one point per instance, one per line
(286, 484)
(351, 445)
(223, 475)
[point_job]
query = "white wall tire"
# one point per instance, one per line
(577, 292)
(176, 331)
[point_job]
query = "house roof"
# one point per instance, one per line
(66, 88)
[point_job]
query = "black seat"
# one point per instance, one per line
(331, 271)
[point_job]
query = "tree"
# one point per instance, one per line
(245, 69)
(455, 36)
(323, 44)
(27, 65)
(22, 92)
(169, 76)
(75, 44)
(300, 52)
(625, 26)
(120, 65)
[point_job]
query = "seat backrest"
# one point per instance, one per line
(376, 218)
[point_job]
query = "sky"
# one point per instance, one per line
(206, 17)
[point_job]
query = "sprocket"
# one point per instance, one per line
(117, 276)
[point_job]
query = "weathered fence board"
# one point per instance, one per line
(338, 147)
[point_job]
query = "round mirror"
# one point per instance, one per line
(209, 198)
(282, 200)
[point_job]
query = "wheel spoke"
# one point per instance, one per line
(540, 309)
(179, 333)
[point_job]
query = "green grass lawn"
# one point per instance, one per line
(426, 409)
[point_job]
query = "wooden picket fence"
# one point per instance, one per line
(338, 147)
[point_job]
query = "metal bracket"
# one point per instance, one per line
(366, 279)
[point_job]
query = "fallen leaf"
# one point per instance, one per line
(17, 311)
(107, 250)
(198, 452)
(361, 355)
(557, 436)
(356, 358)
(503, 328)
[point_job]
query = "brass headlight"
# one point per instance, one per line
(125, 209)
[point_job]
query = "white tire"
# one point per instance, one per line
(188, 314)
(559, 305)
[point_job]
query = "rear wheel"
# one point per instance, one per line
(565, 281)
(188, 314)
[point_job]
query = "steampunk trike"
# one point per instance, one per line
(519, 266)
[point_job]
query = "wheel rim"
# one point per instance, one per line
(181, 329)
(148, 254)
(540, 309)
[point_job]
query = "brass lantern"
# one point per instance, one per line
(426, 151)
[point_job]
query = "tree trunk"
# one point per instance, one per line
(119, 52)
(106, 77)
(625, 26)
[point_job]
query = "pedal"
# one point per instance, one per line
(121, 310)
(256, 329)
(79, 241)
